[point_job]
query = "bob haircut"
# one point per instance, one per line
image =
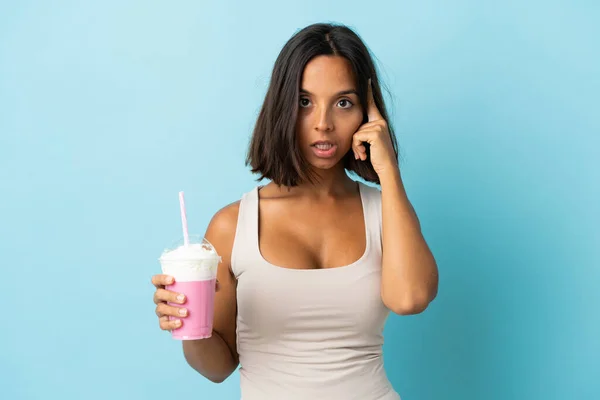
(273, 151)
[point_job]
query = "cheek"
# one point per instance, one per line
(349, 125)
(302, 129)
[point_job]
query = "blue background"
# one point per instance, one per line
(109, 108)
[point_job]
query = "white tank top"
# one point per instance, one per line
(306, 333)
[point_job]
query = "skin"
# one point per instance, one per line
(328, 226)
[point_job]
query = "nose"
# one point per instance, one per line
(323, 120)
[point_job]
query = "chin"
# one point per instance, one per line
(324, 164)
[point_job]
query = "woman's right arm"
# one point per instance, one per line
(216, 358)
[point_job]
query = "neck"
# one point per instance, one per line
(327, 183)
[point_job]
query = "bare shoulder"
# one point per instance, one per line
(222, 227)
(225, 220)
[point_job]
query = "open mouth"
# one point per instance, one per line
(324, 149)
(323, 146)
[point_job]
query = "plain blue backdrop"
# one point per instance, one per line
(109, 108)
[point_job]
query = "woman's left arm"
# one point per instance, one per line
(409, 279)
(409, 274)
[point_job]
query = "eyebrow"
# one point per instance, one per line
(343, 92)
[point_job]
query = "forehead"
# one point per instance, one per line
(323, 74)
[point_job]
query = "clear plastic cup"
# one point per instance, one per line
(194, 268)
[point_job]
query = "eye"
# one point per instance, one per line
(346, 101)
(304, 101)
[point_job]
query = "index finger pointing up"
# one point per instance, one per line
(372, 110)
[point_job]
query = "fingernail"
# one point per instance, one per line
(180, 297)
(177, 322)
(182, 311)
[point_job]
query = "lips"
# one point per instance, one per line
(324, 148)
(323, 144)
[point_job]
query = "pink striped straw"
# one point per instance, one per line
(186, 237)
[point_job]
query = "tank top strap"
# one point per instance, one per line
(244, 251)
(373, 217)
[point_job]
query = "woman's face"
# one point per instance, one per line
(329, 111)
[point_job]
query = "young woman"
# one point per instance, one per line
(314, 261)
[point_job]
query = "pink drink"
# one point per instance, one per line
(200, 297)
(194, 268)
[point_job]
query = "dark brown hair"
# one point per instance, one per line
(273, 152)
